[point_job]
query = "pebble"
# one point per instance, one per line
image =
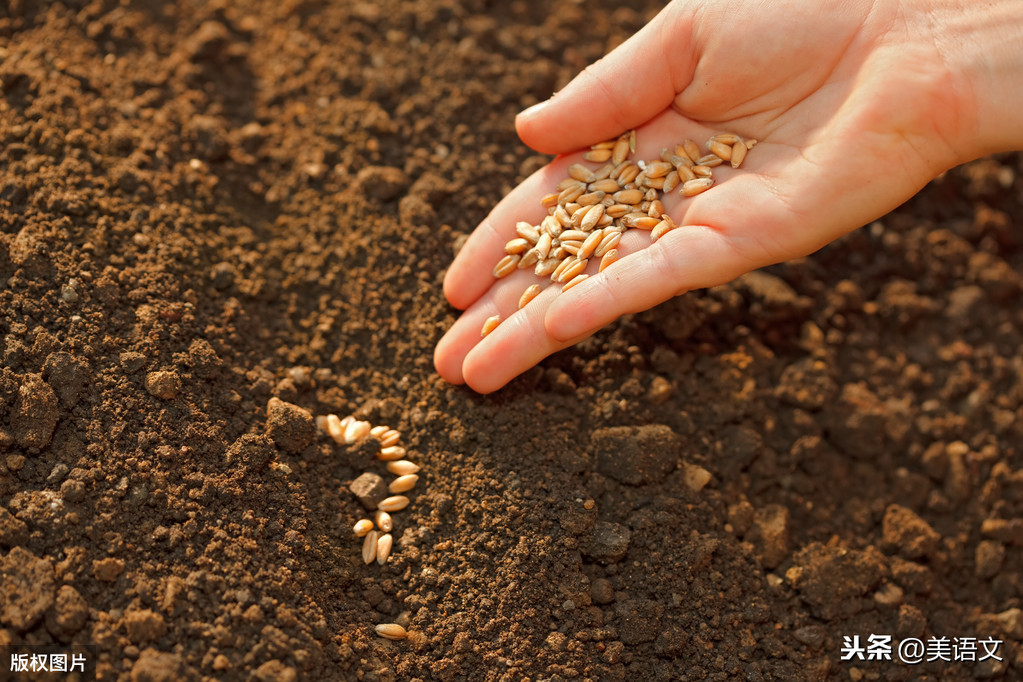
(696, 477)
(601, 591)
(988, 558)
(609, 542)
(636, 455)
(291, 427)
(369, 489)
(770, 534)
(908, 534)
(163, 384)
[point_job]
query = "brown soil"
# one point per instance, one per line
(204, 205)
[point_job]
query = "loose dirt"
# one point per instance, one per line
(207, 205)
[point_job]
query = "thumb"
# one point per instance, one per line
(632, 84)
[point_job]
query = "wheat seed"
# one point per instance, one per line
(581, 173)
(572, 282)
(609, 257)
(356, 430)
(574, 268)
(361, 527)
(725, 138)
(391, 453)
(393, 503)
(720, 149)
(527, 231)
(403, 467)
(403, 484)
(384, 521)
(703, 170)
(369, 546)
(621, 150)
(528, 295)
(384, 544)
(390, 438)
(592, 217)
(694, 187)
(691, 149)
(589, 246)
(671, 181)
(517, 245)
(391, 631)
(335, 429)
(506, 265)
(597, 155)
(608, 241)
(738, 154)
(590, 198)
(710, 160)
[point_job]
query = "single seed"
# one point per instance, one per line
(750, 143)
(703, 171)
(562, 266)
(603, 172)
(658, 169)
(609, 242)
(558, 253)
(506, 265)
(403, 484)
(572, 246)
(694, 187)
(393, 503)
(384, 521)
(572, 207)
(576, 267)
(671, 181)
(656, 209)
(590, 244)
(590, 198)
(369, 547)
(391, 631)
(617, 210)
(571, 194)
(606, 144)
(644, 223)
(720, 149)
(632, 141)
(710, 160)
(609, 257)
(401, 467)
(563, 216)
(361, 527)
(592, 216)
(581, 173)
(666, 154)
(393, 452)
(527, 231)
(621, 150)
(528, 295)
(618, 169)
(651, 194)
(683, 155)
(683, 160)
(378, 431)
(738, 154)
(655, 183)
(605, 220)
(543, 245)
(548, 225)
(356, 430)
(726, 138)
(607, 185)
(573, 235)
(488, 326)
(691, 149)
(567, 183)
(572, 282)
(685, 173)
(517, 245)
(545, 268)
(550, 200)
(663, 228)
(390, 438)
(629, 174)
(384, 544)
(629, 196)
(335, 429)
(528, 259)
(578, 215)
(597, 155)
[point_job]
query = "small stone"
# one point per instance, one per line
(636, 455)
(369, 489)
(908, 534)
(291, 427)
(13, 530)
(107, 570)
(696, 477)
(661, 390)
(601, 591)
(1012, 623)
(988, 558)
(221, 663)
(609, 542)
(810, 635)
(132, 362)
(163, 384)
(832, 578)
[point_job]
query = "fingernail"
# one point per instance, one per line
(533, 110)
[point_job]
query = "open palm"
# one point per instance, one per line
(854, 109)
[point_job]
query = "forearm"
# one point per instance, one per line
(982, 43)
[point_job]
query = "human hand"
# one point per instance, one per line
(857, 105)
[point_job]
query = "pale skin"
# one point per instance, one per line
(857, 104)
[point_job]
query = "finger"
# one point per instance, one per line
(632, 84)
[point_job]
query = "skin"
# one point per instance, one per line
(857, 104)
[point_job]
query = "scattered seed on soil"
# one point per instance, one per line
(528, 295)
(356, 431)
(403, 467)
(393, 503)
(403, 484)
(391, 631)
(391, 453)
(384, 544)
(335, 429)
(384, 521)
(361, 527)
(369, 547)
(389, 438)
(490, 324)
